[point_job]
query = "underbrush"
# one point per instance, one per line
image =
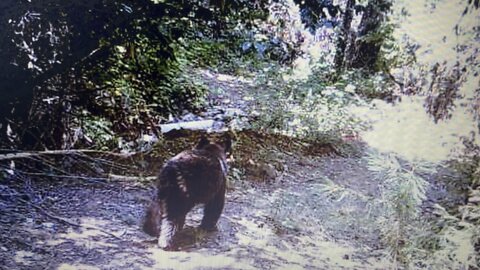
(418, 238)
(370, 86)
(312, 109)
(419, 233)
(118, 101)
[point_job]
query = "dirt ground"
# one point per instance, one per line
(282, 211)
(272, 220)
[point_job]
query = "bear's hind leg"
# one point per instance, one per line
(167, 231)
(171, 224)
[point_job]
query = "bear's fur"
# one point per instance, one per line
(196, 176)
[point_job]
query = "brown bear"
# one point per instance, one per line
(196, 176)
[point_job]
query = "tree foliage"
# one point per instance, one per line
(116, 60)
(46, 40)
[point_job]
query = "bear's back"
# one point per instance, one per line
(196, 174)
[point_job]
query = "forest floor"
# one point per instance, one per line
(276, 215)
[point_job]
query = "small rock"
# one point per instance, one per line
(231, 112)
(475, 199)
(48, 225)
(218, 117)
(265, 172)
(218, 125)
(190, 117)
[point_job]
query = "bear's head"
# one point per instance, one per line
(221, 148)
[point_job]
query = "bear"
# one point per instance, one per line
(196, 176)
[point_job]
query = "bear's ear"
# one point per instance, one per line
(202, 143)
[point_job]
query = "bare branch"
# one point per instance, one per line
(19, 155)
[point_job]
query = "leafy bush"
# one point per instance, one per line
(377, 85)
(206, 52)
(94, 130)
(444, 240)
(309, 109)
(139, 85)
(457, 238)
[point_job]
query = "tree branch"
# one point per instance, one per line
(20, 155)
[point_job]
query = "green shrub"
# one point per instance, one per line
(448, 239)
(308, 109)
(403, 192)
(142, 82)
(95, 130)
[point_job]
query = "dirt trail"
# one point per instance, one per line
(286, 224)
(278, 215)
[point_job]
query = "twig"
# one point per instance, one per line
(66, 221)
(59, 152)
(130, 178)
(101, 180)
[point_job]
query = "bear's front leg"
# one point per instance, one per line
(212, 211)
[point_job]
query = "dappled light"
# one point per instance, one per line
(88, 238)
(267, 134)
(434, 30)
(406, 129)
(22, 257)
(193, 260)
(78, 266)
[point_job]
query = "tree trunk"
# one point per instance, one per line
(343, 38)
(365, 52)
